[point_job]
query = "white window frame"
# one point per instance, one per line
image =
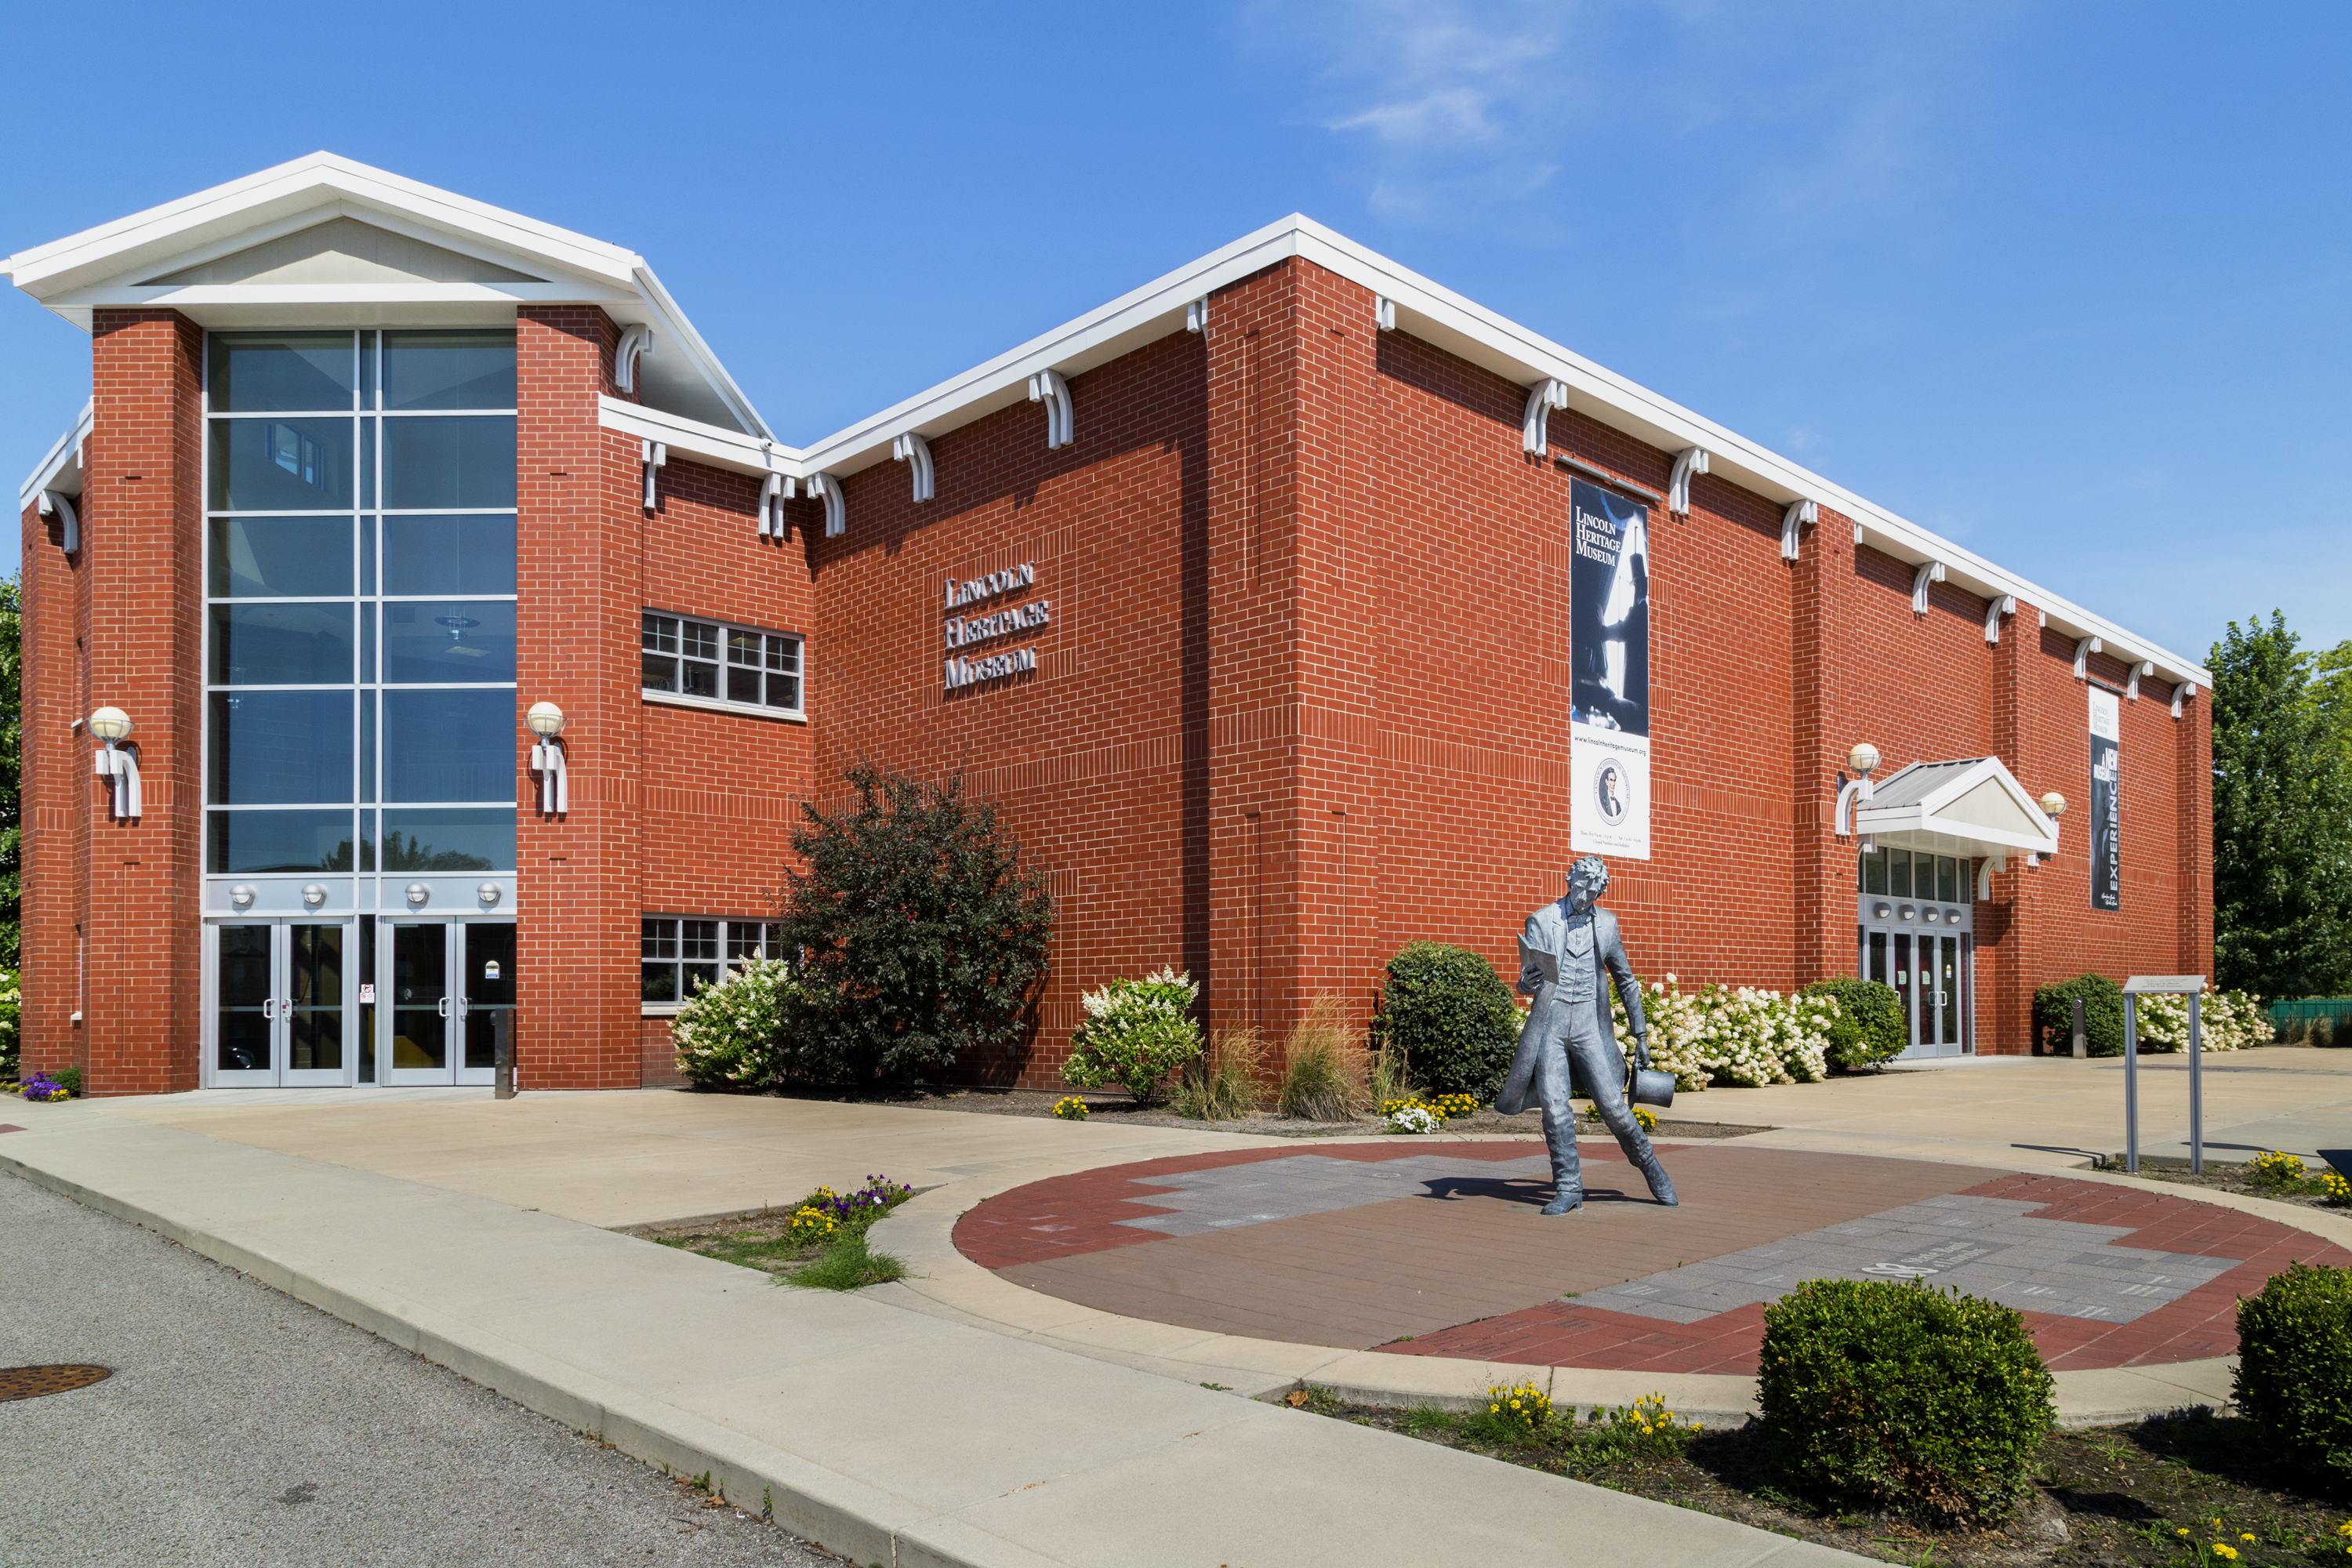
(728, 958)
(728, 631)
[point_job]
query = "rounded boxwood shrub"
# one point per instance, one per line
(1870, 1028)
(1451, 1014)
(1897, 1396)
(2102, 1015)
(2295, 1369)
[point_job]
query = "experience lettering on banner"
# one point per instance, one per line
(2106, 802)
(1609, 660)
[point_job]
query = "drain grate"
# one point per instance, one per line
(32, 1382)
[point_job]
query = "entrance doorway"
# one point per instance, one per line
(444, 984)
(1917, 932)
(281, 1011)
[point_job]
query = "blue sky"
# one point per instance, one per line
(2064, 282)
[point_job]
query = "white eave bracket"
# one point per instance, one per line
(1535, 433)
(1800, 516)
(916, 453)
(1929, 571)
(1196, 315)
(1061, 418)
(635, 343)
(2145, 667)
(654, 456)
(826, 488)
(61, 507)
(2083, 648)
(1383, 313)
(2182, 694)
(1997, 606)
(1688, 461)
(774, 491)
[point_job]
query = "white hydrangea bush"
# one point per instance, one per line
(1733, 1033)
(2226, 1020)
(730, 1034)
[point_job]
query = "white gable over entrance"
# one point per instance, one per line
(1970, 806)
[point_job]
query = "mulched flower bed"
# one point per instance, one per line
(2232, 1178)
(1106, 1107)
(2115, 1496)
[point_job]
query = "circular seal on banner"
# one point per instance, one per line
(1609, 792)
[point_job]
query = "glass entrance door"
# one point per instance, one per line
(1917, 924)
(445, 986)
(279, 1013)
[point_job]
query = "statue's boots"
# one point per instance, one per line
(1660, 1188)
(1565, 1202)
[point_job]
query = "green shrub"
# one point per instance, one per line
(1136, 1033)
(1451, 1016)
(923, 937)
(1870, 1028)
(1880, 1395)
(2295, 1369)
(730, 1034)
(2103, 1014)
(68, 1079)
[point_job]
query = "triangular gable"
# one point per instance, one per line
(1974, 802)
(343, 250)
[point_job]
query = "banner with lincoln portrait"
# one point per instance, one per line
(1609, 661)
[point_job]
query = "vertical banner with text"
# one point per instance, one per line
(2106, 802)
(1609, 660)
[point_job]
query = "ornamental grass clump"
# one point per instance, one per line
(1324, 1064)
(1136, 1033)
(730, 1034)
(1221, 1084)
(2293, 1380)
(1901, 1397)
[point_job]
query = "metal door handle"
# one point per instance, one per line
(442, 1006)
(268, 1007)
(464, 1006)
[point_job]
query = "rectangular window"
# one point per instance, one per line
(677, 954)
(726, 666)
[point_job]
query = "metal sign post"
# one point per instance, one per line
(2191, 986)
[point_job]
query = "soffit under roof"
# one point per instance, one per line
(1956, 805)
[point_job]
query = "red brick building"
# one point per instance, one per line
(1248, 597)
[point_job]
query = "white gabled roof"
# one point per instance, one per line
(1970, 805)
(125, 263)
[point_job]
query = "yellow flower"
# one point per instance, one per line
(2245, 1537)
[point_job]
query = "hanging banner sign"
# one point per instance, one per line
(1608, 660)
(2106, 802)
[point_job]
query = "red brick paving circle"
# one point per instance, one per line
(1462, 1267)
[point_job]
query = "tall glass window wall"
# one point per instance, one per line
(359, 614)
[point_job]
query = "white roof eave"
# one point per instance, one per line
(51, 473)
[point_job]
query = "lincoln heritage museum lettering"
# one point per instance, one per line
(967, 631)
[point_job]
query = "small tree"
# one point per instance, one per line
(922, 936)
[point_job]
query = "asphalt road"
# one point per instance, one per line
(241, 1427)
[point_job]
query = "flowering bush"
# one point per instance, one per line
(1070, 1107)
(2271, 1168)
(41, 1087)
(812, 1224)
(1136, 1033)
(730, 1034)
(1525, 1408)
(10, 1005)
(1642, 1113)
(1450, 1106)
(1410, 1117)
(2338, 1193)
(2226, 1020)
(1733, 1033)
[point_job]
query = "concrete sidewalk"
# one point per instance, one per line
(893, 1435)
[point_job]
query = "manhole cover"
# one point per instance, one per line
(32, 1382)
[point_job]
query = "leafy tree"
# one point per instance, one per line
(12, 709)
(922, 936)
(2282, 819)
